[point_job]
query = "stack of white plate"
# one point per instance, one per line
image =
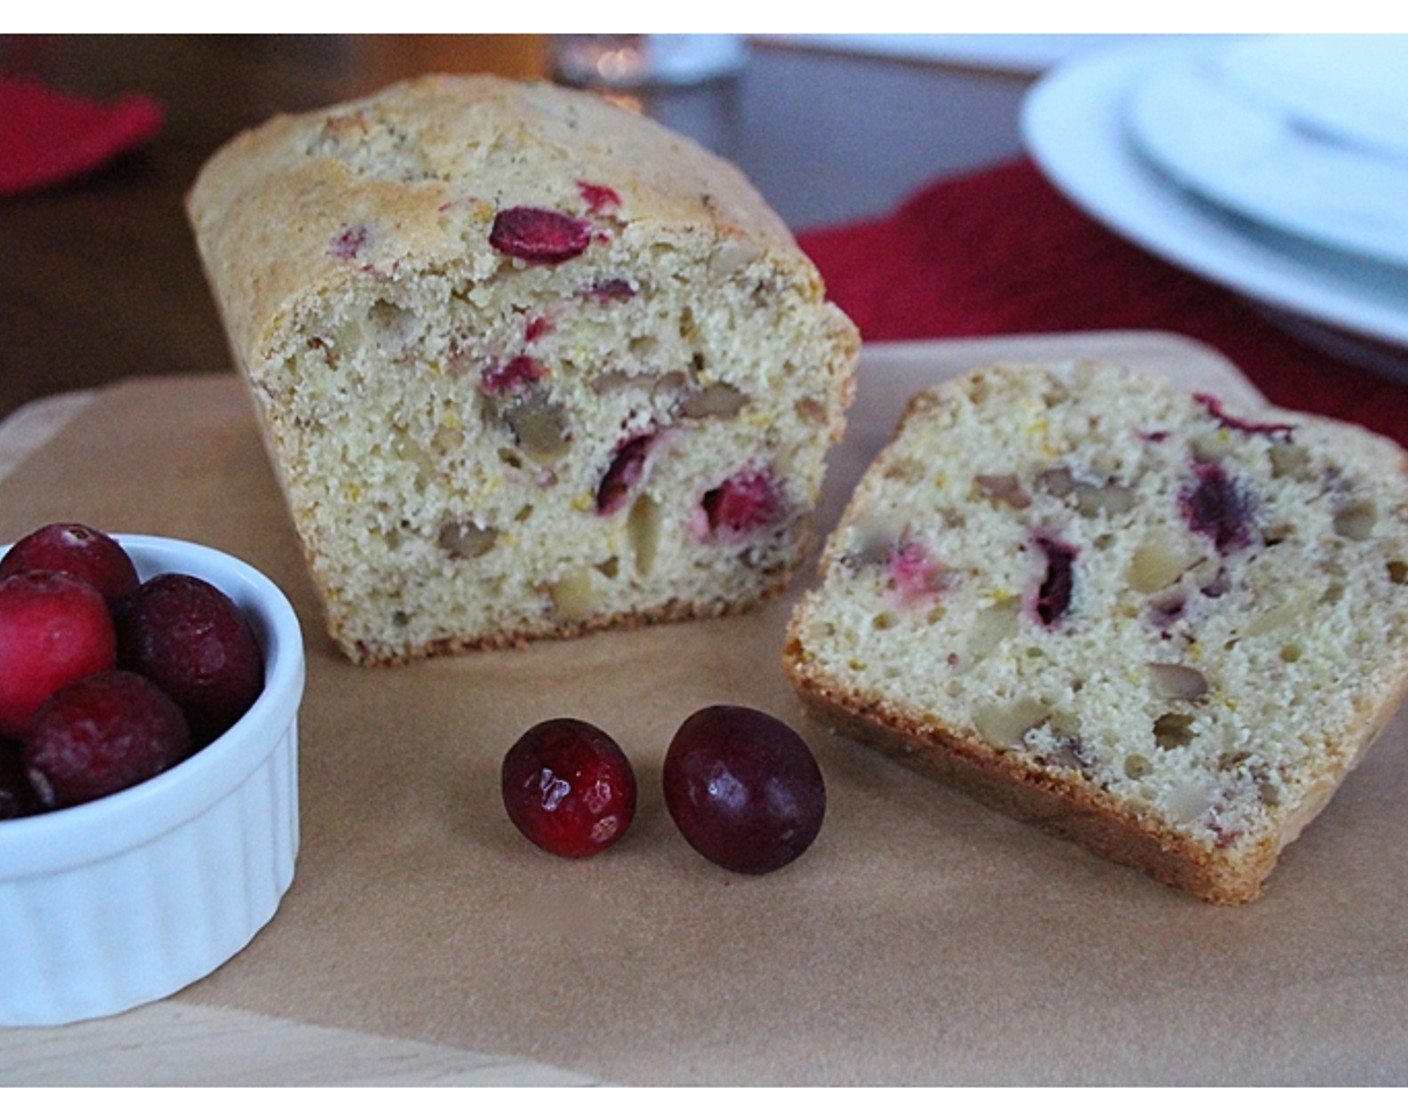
(1276, 166)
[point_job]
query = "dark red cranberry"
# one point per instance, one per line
(513, 377)
(351, 241)
(192, 640)
(1163, 614)
(746, 501)
(1053, 595)
(1217, 586)
(69, 547)
(609, 291)
(1215, 506)
(743, 788)
(623, 473)
(539, 236)
(569, 788)
(17, 796)
(54, 629)
(101, 735)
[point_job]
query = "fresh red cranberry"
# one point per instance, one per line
(17, 796)
(1218, 508)
(101, 735)
(743, 788)
(191, 639)
(744, 502)
(623, 473)
(54, 629)
(78, 550)
(569, 788)
(1053, 595)
(539, 236)
(513, 377)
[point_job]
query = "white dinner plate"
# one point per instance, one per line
(1074, 127)
(1235, 143)
(1349, 88)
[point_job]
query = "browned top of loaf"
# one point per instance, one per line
(421, 158)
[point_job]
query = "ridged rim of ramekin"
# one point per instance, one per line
(66, 838)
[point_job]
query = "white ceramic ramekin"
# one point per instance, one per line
(129, 898)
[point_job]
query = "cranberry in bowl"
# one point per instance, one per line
(131, 896)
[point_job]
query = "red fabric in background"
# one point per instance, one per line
(48, 137)
(999, 251)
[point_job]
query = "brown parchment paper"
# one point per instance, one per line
(923, 939)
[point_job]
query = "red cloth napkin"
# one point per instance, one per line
(47, 137)
(999, 251)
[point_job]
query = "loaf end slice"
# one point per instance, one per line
(1141, 619)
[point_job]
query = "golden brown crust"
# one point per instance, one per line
(1067, 809)
(266, 206)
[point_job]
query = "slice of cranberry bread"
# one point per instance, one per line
(1161, 626)
(527, 364)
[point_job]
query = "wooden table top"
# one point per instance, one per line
(101, 279)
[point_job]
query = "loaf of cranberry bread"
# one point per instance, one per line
(1146, 620)
(527, 364)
